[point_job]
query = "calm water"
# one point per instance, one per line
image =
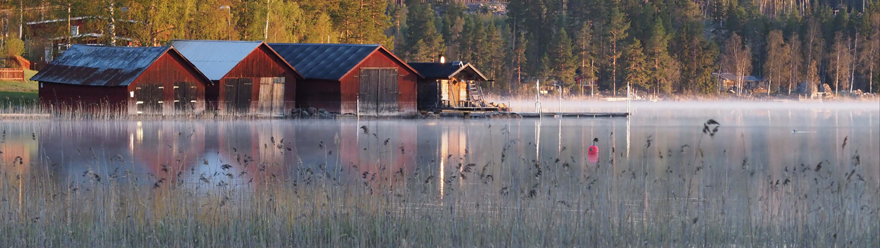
(770, 137)
(753, 169)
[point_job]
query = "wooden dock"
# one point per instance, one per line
(488, 114)
(575, 114)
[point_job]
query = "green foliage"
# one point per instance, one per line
(635, 68)
(13, 47)
(776, 68)
(683, 41)
(423, 41)
(559, 64)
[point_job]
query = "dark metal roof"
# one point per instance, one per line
(445, 70)
(327, 61)
(100, 65)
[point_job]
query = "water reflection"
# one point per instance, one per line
(386, 152)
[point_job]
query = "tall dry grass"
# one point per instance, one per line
(513, 200)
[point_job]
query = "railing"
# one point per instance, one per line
(12, 74)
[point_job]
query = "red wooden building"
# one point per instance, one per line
(248, 76)
(133, 80)
(352, 79)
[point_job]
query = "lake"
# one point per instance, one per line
(757, 174)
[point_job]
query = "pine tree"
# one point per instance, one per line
(635, 68)
(663, 69)
(583, 50)
(519, 58)
(776, 67)
(559, 61)
(696, 57)
(616, 32)
(796, 63)
(494, 53)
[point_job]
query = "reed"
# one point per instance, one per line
(662, 198)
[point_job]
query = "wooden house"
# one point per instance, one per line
(728, 81)
(449, 85)
(248, 76)
(48, 38)
(366, 80)
(133, 80)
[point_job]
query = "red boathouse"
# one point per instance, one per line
(248, 76)
(366, 80)
(133, 80)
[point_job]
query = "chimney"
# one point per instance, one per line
(442, 59)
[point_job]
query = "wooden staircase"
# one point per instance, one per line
(476, 94)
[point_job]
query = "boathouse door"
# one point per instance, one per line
(185, 96)
(238, 94)
(148, 98)
(378, 92)
(271, 95)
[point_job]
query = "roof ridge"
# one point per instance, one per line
(238, 41)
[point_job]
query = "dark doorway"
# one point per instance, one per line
(148, 98)
(378, 92)
(185, 96)
(238, 94)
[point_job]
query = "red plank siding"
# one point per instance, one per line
(167, 70)
(59, 97)
(262, 62)
(407, 81)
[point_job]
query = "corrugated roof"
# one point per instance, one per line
(215, 58)
(323, 61)
(445, 70)
(100, 65)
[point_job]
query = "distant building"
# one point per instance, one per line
(728, 81)
(49, 38)
(133, 80)
(449, 85)
(248, 76)
(352, 79)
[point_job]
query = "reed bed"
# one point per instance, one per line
(510, 200)
(33, 110)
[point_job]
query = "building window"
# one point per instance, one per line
(74, 30)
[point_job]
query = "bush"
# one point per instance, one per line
(13, 47)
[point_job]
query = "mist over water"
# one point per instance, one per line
(776, 167)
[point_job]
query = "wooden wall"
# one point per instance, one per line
(407, 84)
(260, 63)
(320, 94)
(60, 97)
(167, 70)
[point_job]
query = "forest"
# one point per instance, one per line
(665, 47)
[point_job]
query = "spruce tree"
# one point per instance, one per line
(559, 61)
(635, 68)
(662, 68)
(423, 41)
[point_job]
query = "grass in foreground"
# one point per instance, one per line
(512, 201)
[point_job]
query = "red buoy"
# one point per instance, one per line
(593, 152)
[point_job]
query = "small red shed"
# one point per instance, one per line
(248, 76)
(352, 79)
(134, 80)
